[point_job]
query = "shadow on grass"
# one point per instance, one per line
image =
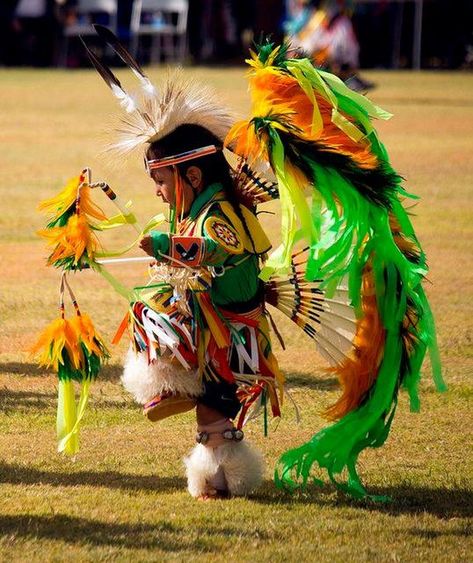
(83, 531)
(15, 401)
(109, 372)
(113, 372)
(300, 379)
(406, 499)
(24, 368)
(15, 474)
(157, 535)
(12, 401)
(430, 534)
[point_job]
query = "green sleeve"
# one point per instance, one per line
(216, 254)
(160, 242)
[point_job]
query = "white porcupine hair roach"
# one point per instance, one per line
(182, 102)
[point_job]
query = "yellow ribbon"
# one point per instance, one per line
(150, 225)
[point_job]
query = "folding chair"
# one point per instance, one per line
(166, 22)
(89, 12)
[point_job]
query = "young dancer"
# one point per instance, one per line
(348, 272)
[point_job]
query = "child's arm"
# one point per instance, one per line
(218, 241)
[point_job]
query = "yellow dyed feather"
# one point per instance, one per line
(243, 140)
(60, 203)
(56, 337)
(63, 200)
(75, 239)
(256, 63)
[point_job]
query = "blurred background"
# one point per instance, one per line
(341, 35)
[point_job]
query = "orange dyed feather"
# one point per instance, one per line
(274, 93)
(85, 331)
(74, 239)
(358, 373)
(56, 337)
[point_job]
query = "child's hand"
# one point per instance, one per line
(146, 245)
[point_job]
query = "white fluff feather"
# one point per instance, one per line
(144, 381)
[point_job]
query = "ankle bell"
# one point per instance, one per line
(231, 435)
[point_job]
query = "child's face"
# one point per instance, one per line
(164, 180)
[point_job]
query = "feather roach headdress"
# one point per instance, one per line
(151, 114)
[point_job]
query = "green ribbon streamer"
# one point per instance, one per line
(112, 280)
(68, 440)
(340, 97)
(338, 446)
(433, 344)
(358, 100)
(117, 221)
(351, 231)
(294, 210)
(69, 422)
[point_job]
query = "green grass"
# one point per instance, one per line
(123, 497)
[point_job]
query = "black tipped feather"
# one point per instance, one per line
(378, 185)
(109, 37)
(104, 71)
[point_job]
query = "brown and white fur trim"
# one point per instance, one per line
(241, 463)
(144, 381)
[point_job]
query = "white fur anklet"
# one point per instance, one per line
(242, 466)
(201, 467)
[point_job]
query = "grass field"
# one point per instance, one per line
(123, 497)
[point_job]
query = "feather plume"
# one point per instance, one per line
(314, 132)
(158, 112)
(70, 231)
(58, 346)
(72, 347)
(360, 369)
(63, 205)
(181, 102)
(76, 351)
(126, 101)
(109, 37)
(74, 244)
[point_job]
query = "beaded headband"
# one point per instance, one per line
(181, 157)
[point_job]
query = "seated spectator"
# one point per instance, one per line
(35, 30)
(326, 35)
